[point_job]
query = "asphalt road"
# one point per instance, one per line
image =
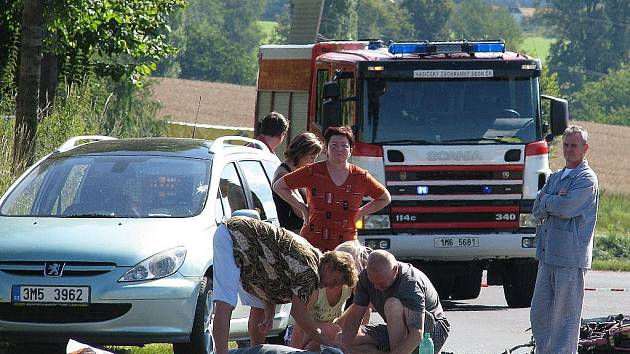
(487, 326)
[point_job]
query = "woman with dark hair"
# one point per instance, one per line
(302, 151)
(335, 191)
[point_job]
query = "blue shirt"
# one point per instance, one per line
(567, 209)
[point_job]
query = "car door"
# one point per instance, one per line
(259, 190)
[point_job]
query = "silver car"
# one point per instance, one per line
(110, 241)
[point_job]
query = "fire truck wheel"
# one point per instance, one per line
(467, 286)
(518, 283)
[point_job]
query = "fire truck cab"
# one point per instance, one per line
(454, 130)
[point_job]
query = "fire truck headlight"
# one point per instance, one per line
(527, 220)
(372, 222)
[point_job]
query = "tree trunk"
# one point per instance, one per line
(28, 89)
(48, 84)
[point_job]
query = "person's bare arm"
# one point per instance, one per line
(285, 193)
(221, 326)
(301, 315)
(375, 205)
(352, 318)
(280, 172)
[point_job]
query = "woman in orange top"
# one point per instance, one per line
(335, 191)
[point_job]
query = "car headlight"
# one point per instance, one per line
(157, 266)
(374, 221)
(527, 220)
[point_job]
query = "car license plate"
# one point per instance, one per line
(50, 294)
(448, 242)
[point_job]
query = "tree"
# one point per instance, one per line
(223, 38)
(606, 100)
(385, 20)
(591, 38)
(339, 19)
(27, 97)
(429, 17)
(476, 19)
(115, 38)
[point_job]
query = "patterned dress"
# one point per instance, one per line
(332, 208)
(275, 263)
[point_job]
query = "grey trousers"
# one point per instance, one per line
(557, 309)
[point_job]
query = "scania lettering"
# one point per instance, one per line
(457, 131)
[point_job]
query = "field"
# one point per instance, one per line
(537, 47)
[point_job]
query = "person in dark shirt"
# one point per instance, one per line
(302, 150)
(272, 130)
(405, 299)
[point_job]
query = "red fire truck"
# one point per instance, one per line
(454, 130)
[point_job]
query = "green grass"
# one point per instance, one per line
(619, 265)
(614, 213)
(148, 349)
(537, 46)
(267, 28)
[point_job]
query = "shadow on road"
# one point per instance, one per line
(451, 305)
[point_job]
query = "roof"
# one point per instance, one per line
(176, 147)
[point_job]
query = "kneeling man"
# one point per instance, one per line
(405, 299)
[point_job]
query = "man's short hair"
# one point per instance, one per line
(576, 129)
(380, 260)
(274, 124)
(343, 263)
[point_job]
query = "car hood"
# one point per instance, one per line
(122, 241)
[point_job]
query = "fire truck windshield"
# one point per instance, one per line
(483, 111)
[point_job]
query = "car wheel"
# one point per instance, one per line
(201, 335)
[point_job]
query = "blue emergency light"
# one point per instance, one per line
(427, 47)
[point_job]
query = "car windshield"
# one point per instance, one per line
(475, 111)
(111, 186)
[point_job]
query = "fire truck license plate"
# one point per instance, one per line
(448, 242)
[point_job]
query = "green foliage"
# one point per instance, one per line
(476, 19)
(612, 240)
(429, 17)
(339, 19)
(606, 100)
(592, 38)
(385, 20)
(117, 38)
(92, 106)
(612, 246)
(222, 39)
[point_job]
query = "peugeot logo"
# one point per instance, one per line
(53, 269)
